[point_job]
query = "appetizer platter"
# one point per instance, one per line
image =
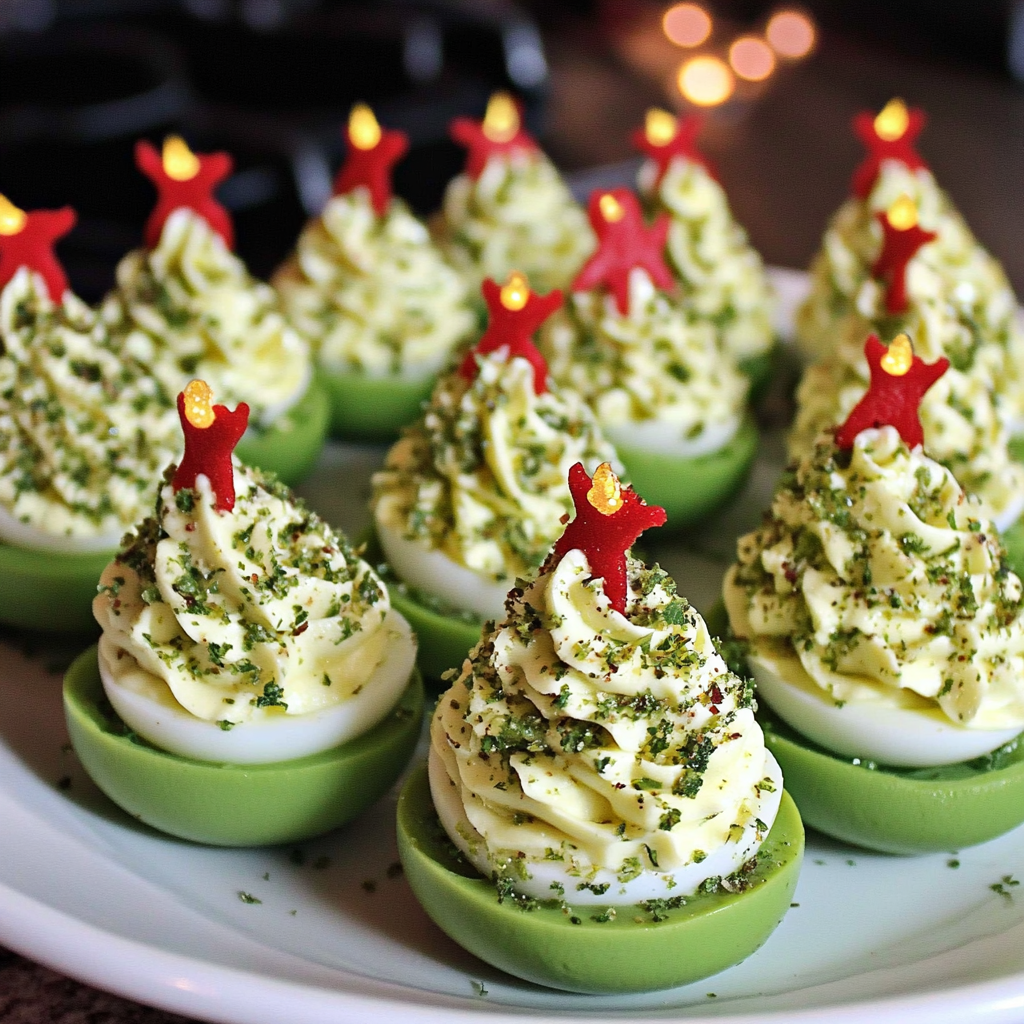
(329, 927)
(258, 797)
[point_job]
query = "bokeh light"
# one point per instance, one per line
(791, 34)
(706, 81)
(686, 24)
(751, 58)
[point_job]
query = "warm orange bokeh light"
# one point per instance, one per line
(752, 58)
(706, 81)
(791, 34)
(686, 24)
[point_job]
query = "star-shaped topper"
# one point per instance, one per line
(515, 313)
(664, 137)
(211, 433)
(501, 132)
(184, 179)
(889, 136)
(27, 240)
(609, 518)
(899, 380)
(372, 153)
(901, 240)
(625, 243)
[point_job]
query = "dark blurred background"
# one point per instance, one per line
(272, 81)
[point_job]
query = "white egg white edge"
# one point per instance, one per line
(891, 730)
(167, 725)
(660, 437)
(648, 885)
(432, 571)
(22, 535)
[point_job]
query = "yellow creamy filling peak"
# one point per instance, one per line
(875, 570)
(374, 293)
(259, 611)
(482, 475)
(85, 431)
(605, 741)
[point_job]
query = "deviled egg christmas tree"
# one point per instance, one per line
(666, 394)
(593, 754)
(261, 688)
(85, 432)
(721, 276)
(366, 286)
(510, 209)
(473, 494)
(883, 625)
(186, 304)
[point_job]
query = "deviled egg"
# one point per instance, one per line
(85, 432)
(188, 305)
(510, 209)
(372, 294)
(252, 684)
(596, 761)
(473, 494)
(884, 628)
(721, 276)
(667, 395)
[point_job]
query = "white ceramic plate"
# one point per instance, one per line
(339, 936)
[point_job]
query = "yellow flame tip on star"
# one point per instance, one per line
(12, 219)
(891, 123)
(899, 358)
(902, 214)
(515, 293)
(611, 208)
(363, 129)
(180, 163)
(501, 121)
(605, 493)
(199, 403)
(660, 126)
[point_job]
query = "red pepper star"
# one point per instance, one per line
(899, 380)
(372, 153)
(515, 314)
(608, 520)
(889, 136)
(665, 137)
(903, 237)
(501, 132)
(27, 240)
(624, 243)
(211, 433)
(184, 179)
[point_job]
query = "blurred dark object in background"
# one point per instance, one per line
(271, 81)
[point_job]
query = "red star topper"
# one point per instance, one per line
(903, 238)
(515, 313)
(899, 380)
(27, 240)
(609, 518)
(211, 433)
(889, 136)
(624, 243)
(665, 137)
(372, 153)
(500, 132)
(183, 178)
